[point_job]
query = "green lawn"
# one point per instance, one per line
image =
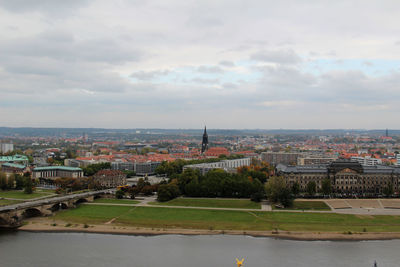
(116, 201)
(91, 213)
(210, 202)
(308, 205)
(5, 202)
(19, 194)
(154, 217)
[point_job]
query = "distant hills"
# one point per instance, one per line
(72, 132)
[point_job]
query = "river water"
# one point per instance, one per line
(81, 249)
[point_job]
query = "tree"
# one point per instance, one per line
(311, 188)
(131, 192)
(258, 191)
(147, 190)
(19, 182)
(277, 191)
(11, 181)
(273, 188)
(285, 197)
(3, 181)
(295, 188)
(186, 177)
(167, 192)
(388, 190)
(94, 168)
(119, 194)
(326, 186)
(28, 185)
(129, 174)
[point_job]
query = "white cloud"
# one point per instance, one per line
(125, 63)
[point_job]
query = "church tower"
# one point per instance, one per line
(204, 143)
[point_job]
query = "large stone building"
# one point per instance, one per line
(348, 177)
(19, 159)
(110, 178)
(52, 172)
(14, 168)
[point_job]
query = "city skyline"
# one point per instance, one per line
(229, 65)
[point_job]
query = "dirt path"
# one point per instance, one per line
(113, 219)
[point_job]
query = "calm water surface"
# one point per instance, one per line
(79, 249)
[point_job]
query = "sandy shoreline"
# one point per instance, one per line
(40, 226)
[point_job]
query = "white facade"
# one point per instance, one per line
(227, 165)
(6, 147)
(367, 161)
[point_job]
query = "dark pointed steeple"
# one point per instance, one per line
(204, 143)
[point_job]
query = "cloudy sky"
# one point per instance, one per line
(183, 64)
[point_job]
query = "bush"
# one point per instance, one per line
(119, 194)
(278, 192)
(3, 181)
(60, 191)
(147, 190)
(257, 197)
(167, 192)
(28, 185)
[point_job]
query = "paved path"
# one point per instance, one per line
(169, 207)
(30, 199)
(265, 207)
(47, 201)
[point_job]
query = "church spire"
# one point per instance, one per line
(204, 143)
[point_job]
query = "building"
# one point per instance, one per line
(227, 165)
(19, 159)
(73, 163)
(216, 152)
(146, 168)
(53, 172)
(367, 161)
(314, 160)
(13, 168)
(123, 166)
(110, 178)
(275, 158)
(6, 147)
(204, 142)
(348, 177)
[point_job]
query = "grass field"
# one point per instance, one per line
(5, 202)
(19, 194)
(308, 205)
(214, 203)
(153, 217)
(116, 201)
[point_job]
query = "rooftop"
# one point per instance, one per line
(13, 165)
(14, 158)
(64, 168)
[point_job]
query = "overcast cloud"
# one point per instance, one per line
(183, 64)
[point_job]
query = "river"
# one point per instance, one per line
(82, 249)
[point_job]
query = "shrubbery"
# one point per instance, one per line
(167, 192)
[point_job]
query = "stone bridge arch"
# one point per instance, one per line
(58, 206)
(81, 200)
(31, 212)
(3, 222)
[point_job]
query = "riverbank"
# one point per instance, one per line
(44, 225)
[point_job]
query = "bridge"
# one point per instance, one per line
(12, 216)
